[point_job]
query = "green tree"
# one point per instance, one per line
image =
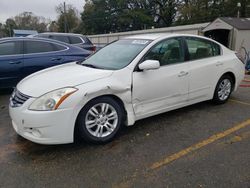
(10, 24)
(198, 11)
(27, 20)
(2, 32)
(53, 26)
(68, 19)
(105, 16)
(115, 15)
(164, 11)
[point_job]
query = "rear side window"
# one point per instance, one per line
(61, 38)
(41, 47)
(42, 36)
(75, 40)
(11, 48)
(200, 48)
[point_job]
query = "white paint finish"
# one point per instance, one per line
(149, 65)
(160, 89)
(203, 77)
(56, 77)
(143, 93)
(55, 127)
(150, 36)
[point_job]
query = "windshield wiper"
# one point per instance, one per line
(91, 66)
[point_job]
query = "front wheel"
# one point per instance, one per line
(100, 120)
(223, 89)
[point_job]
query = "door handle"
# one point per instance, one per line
(56, 59)
(219, 64)
(15, 62)
(182, 73)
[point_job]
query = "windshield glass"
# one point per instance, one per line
(118, 54)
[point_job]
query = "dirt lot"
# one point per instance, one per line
(198, 146)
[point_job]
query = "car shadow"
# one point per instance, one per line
(20, 148)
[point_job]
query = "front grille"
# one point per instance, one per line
(17, 98)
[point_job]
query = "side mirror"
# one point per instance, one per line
(149, 65)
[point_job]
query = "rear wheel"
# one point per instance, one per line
(100, 120)
(223, 89)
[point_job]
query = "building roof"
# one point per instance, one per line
(238, 23)
(179, 28)
(24, 32)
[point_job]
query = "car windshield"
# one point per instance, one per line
(116, 55)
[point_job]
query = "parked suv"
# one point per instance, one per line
(70, 38)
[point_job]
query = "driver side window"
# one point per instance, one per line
(167, 52)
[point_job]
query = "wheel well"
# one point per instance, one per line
(232, 76)
(117, 99)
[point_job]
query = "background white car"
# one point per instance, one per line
(130, 79)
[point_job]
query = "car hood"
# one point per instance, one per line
(67, 75)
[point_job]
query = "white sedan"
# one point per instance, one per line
(130, 79)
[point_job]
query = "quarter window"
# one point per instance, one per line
(167, 52)
(75, 40)
(200, 48)
(11, 48)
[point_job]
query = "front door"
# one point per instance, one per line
(163, 89)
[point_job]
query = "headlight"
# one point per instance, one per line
(51, 100)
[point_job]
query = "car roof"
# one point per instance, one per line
(155, 36)
(42, 39)
(55, 33)
(33, 39)
(152, 36)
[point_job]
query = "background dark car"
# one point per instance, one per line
(20, 57)
(70, 38)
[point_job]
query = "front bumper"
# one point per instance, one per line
(44, 127)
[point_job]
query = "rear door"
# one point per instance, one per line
(205, 66)
(41, 54)
(11, 63)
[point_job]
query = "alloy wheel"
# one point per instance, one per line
(101, 120)
(225, 88)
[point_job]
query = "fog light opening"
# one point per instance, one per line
(34, 132)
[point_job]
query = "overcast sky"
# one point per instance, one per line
(45, 8)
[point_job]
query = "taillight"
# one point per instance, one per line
(93, 48)
(240, 57)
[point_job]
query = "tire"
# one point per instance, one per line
(223, 89)
(99, 121)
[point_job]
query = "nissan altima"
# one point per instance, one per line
(128, 80)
